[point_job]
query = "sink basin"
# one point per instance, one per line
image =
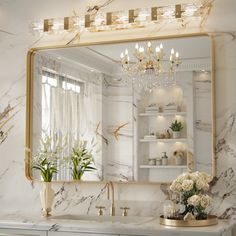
(113, 219)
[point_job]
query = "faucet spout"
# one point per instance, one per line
(112, 197)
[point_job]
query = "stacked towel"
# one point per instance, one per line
(152, 108)
(171, 107)
(150, 137)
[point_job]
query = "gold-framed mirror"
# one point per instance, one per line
(120, 108)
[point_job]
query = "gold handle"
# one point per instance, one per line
(125, 210)
(100, 210)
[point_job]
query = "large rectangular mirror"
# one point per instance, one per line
(126, 111)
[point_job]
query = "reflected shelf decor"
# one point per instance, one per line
(148, 67)
(99, 21)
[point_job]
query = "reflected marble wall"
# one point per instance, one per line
(118, 128)
(203, 120)
(19, 195)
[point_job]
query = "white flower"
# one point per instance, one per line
(206, 177)
(183, 177)
(206, 187)
(187, 185)
(201, 184)
(194, 200)
(205, 201)
(195, 176)
(176, 186)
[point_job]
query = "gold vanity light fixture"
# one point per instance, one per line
(133, 18)
(149, 61)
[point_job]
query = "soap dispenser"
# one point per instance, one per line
(164, 159)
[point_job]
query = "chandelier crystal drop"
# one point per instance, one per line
(149, 67)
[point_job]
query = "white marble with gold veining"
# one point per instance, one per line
(19, 195)
(137, 226)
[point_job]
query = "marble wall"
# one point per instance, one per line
(118, 129)
(19, 195)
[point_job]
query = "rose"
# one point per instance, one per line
(206, 187)
(183, 177)
(205, 201)
(201, 184)
(195, 176)
(194, 200)
(187, 185)
(206, 177)
(176, 186)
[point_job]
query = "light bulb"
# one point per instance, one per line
(172, 51)
(177, 55)
(126, 52)
(136, 46)
(141, 49)
(149, 44)
(157, 49)
(171, 57)
(122, 55)
(161, 46)
(128, 58)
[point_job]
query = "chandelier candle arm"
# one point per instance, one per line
(149, 59)
(149, 62)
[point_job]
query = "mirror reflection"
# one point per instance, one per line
(136, 111)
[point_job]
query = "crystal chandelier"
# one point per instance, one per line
(149, 67)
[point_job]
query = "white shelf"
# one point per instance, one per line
(163, 167)
(162, 113)
(170, 140)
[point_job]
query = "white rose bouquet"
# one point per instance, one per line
(192, 187)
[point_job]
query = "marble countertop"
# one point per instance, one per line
(147, 226)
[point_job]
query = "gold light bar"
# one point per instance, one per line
(87, 21)
(109, 18)
(66, 23)
(154, 13)
(131, 16)
(69, 23)
(178, 11)
(47, 25)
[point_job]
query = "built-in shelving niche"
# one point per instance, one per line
(158, 122)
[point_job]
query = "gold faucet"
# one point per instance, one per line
(109, 186)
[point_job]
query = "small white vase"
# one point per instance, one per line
(178, 160)
(46, 197)
(176, 134)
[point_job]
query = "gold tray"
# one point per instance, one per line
(211, 220)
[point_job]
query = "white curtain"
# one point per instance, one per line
(61, 110)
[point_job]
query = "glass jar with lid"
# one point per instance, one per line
(152, 161)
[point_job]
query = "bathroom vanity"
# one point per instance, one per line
(142, 226)
(125, 121)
